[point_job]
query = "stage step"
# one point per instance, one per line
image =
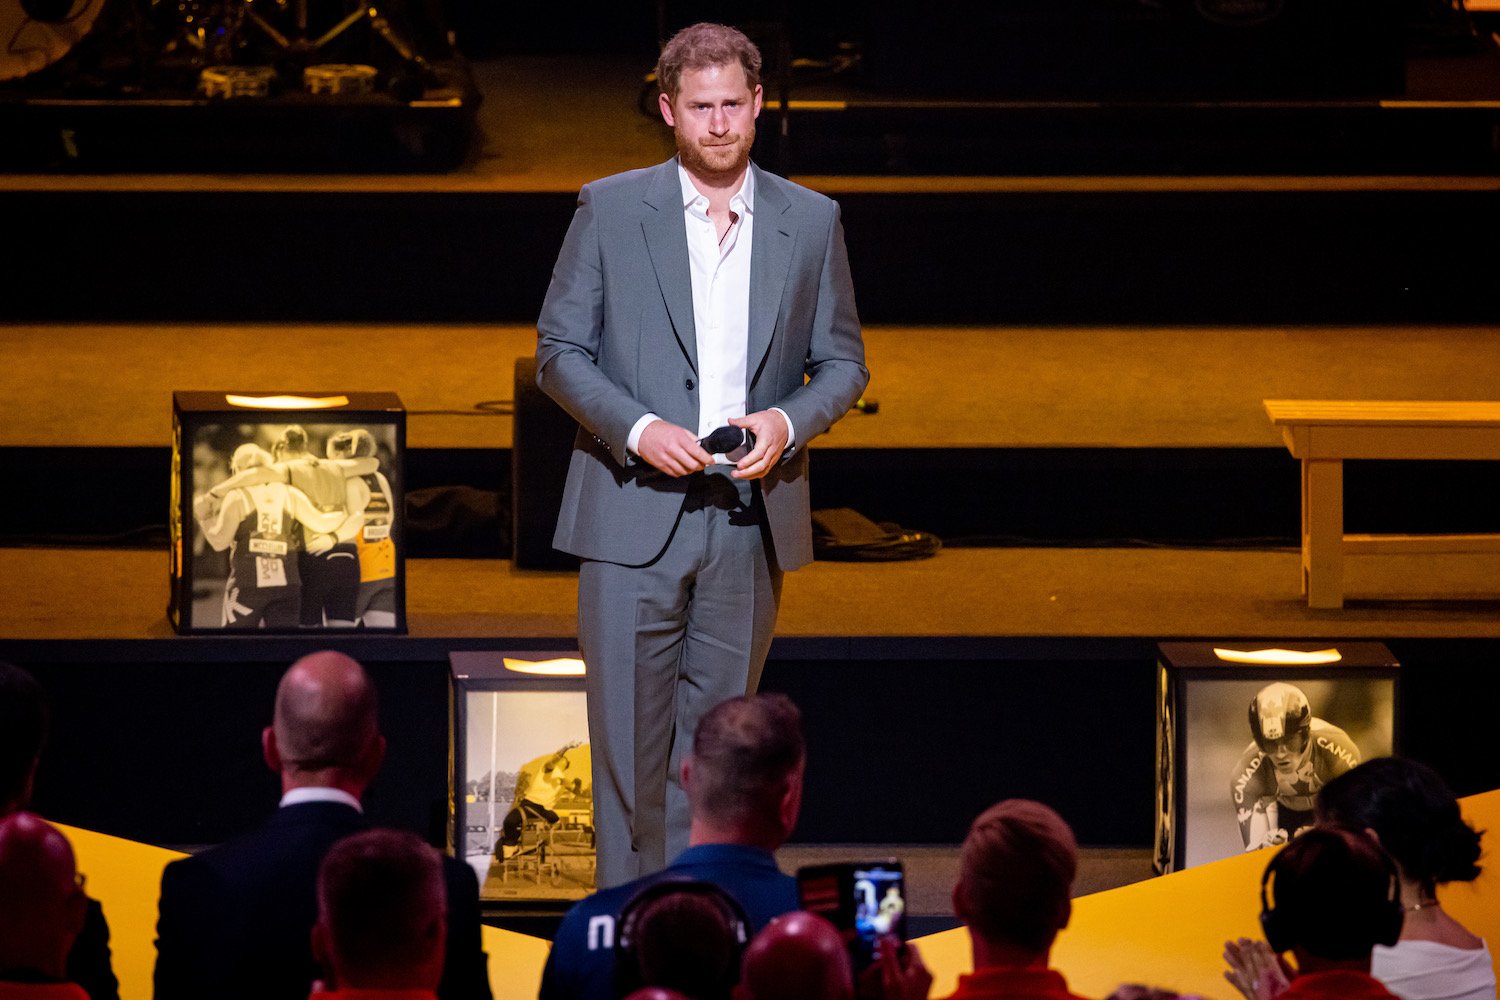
(1146, 252)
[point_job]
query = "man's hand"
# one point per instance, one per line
(672, 449)
(898, 973)
(769, 428)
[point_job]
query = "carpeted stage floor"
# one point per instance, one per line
(938, 387)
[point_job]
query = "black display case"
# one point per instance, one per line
(1248, 732)
(287, 513)
(522, 800)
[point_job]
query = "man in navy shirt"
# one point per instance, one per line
(744, 787)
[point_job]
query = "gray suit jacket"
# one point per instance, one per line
(616, 340)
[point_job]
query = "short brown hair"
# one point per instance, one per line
(379, 892)
(706, 44)
(745, 750)
(1016, 874)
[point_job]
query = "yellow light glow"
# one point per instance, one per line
(1279, 657)
(561, 667)
(288, 402)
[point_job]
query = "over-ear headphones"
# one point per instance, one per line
(628, 974)
(1283, 924)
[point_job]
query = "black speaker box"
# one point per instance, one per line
(541, 442)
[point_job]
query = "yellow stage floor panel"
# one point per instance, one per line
(1166, 931)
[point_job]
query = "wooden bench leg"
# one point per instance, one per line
(1323, 533)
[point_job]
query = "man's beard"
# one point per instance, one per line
(725, 161)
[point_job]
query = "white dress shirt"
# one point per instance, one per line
(297, 796)
(720, 272)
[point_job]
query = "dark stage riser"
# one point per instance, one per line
(1113, 257)
(908, 738)
(966, 496)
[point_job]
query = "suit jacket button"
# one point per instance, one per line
(689, 384)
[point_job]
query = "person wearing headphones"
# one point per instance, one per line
(1330, 897)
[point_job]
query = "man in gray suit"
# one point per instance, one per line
(694, 295)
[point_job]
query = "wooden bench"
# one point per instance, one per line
(1324, 432)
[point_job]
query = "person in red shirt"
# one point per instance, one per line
(382, 922)
(41, 910)
(1329, 897)
(1014, 886)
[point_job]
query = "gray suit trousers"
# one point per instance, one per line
(664, 643)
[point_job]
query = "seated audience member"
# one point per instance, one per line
(41, 911)
(799, 956)
(743, 780)
(681, 935)
(381, 927)
(235, 920)
(1138, 991)
(1329, 897)
(1015, 879)
(24, 722)
(1410, 810)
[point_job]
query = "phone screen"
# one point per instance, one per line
(864, 900)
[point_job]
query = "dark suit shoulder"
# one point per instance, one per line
(89, 961)
(301, 832)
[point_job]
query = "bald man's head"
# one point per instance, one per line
(798, 956)
(326, 726)
(41, 905)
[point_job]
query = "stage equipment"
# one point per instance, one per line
(315, 85)
(288, 513)
(339, 78)
(36, 35)
(522, 799)
(541, 443)
(237, 81)
(1139, 49)
(1246, 734)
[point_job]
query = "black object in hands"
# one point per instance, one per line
(734, 443)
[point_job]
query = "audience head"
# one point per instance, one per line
(797, 956)
(41, 904)
(325, 731)
(1139, 991)
(744, 776)
(1015, 878)
(381, 912)
(702, 45)
(681, 935)
(1409, 807)
(1331, 896)
(24, 720)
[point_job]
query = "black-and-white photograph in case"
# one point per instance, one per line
(1258, 751)
(528, 796)
(293, 526)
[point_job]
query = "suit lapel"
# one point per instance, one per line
(666, 242)
(771, 258)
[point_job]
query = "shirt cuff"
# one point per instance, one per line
(634, 438)
(791, 432)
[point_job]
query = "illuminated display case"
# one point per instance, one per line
(287, 513)
(1248, 732)
(522, 797)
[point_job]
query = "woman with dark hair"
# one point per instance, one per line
(1410, 810)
